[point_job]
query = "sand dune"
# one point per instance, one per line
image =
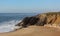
(34, 31)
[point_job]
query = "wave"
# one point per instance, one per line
(8, 26)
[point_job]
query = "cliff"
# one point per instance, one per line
(52, 18)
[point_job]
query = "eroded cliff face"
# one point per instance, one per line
(41, 19)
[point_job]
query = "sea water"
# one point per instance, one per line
(9, 20)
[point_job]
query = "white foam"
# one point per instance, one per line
(8, 26)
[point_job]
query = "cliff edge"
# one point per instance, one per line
(52, 18)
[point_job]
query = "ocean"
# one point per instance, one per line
(8, 20)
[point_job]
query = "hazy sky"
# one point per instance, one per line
(24, 6)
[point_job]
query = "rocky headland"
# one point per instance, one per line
(45, 24)
(52, 19)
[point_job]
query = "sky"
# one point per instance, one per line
(29, 6)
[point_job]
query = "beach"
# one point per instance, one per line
(34, 31)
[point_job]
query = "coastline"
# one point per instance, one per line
(39, 25)
(33, 31)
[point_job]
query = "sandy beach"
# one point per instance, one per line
(34, 31)
(29, 17)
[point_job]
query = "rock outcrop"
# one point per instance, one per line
(41, 19)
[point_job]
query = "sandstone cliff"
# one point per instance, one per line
(41, 19)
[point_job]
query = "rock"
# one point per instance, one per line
(28, 21)
(39, 20)
(42, 19)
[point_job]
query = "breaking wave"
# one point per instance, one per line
(8, 26)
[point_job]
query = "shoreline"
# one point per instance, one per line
(46, 24)
(31, 30)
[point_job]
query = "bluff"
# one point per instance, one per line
(41, 19)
